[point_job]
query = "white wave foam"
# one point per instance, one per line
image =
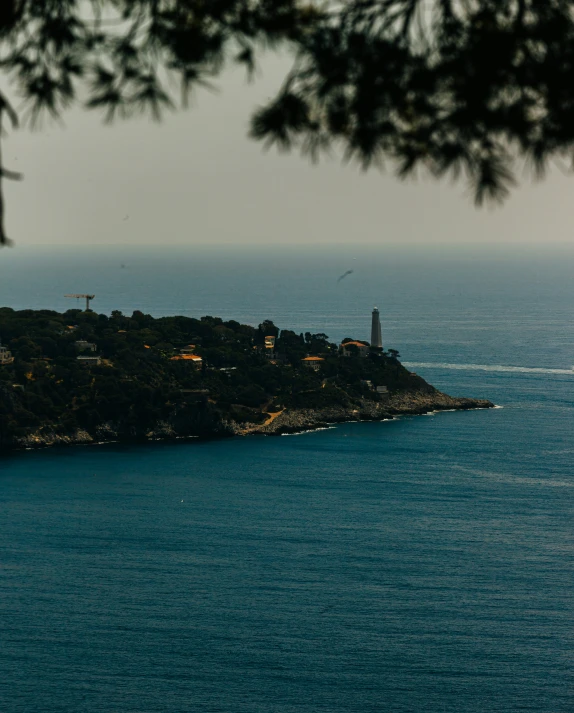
(488, 367)
(310, 430)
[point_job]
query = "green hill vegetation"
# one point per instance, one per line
(195, 375)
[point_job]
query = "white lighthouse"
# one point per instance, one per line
(376, 338)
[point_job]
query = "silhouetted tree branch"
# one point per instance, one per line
(5, 109)
(455, 87)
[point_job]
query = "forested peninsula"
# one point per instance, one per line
(83, 377)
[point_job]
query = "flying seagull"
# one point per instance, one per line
(349, 272)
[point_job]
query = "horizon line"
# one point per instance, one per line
(18, 246)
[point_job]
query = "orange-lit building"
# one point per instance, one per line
(312, 362)
(193, 358)
(363, 349)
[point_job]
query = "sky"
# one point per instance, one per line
(197, 179)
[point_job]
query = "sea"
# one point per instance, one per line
(423, 564)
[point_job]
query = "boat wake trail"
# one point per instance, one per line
(488, 367)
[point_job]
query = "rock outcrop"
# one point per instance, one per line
(287, 421)
(47, 437)
(412, 403)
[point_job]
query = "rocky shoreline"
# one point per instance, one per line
(413, 404)
(288, 421)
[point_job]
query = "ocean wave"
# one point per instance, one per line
(488, 367)
(513, 479)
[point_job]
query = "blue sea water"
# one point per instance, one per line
(423, 564)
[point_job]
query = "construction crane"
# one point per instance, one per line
(86, 297)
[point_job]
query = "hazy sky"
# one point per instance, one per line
(197, 179)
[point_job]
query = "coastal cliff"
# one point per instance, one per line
(80, 377)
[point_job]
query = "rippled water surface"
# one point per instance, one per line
(423, 564)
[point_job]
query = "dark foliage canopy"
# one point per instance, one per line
(137, 385)
(456, 87)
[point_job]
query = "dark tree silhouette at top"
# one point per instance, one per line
(456, 87)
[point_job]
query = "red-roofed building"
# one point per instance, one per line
(193, 358)
(312, 362)
(349, 349)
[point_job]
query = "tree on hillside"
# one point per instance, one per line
(457, 87)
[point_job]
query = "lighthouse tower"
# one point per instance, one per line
(376, 339)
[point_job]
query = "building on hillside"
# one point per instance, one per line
(5, 356)
(312, 362)
(269, 347)
(368, 384)
(349, 349)
(190, 358)
(376, 338)
(90, 360)
(83, 346)
(189, 350)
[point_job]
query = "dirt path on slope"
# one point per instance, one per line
(253, 429)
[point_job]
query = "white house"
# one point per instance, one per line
(83, 346)
(90, 360)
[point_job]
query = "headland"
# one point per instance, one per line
(82, 377)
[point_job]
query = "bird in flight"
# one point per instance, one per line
(349, 272)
